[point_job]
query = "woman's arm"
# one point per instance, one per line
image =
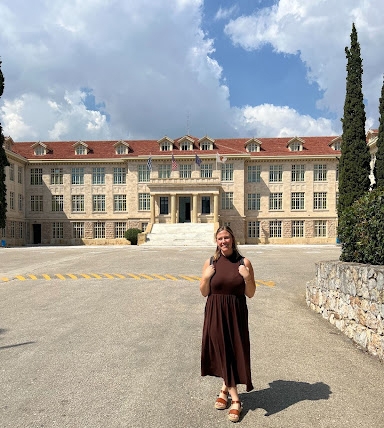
(208, 271)
(246, 271)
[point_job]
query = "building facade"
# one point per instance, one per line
(269, 190)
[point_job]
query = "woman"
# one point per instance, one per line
(226, 279)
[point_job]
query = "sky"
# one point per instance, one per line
(143, 69)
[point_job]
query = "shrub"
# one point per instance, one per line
(361, 230)
(131, 235)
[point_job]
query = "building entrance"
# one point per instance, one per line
(184, 209)
(36, 233)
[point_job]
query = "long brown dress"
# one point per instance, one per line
(225, 348)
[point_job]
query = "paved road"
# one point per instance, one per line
(125, 352)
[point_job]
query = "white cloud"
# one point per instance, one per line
(225, 13)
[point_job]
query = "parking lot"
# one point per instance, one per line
(110, 337)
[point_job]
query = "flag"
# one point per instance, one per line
(149, 164)
(174, 163)
(220, 158)
(198, 160)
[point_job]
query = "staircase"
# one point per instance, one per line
(181, 235)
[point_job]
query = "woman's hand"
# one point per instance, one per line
(208, 271)
(246, 271)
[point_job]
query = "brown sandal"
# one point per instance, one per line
(221, 403)
(234, 414)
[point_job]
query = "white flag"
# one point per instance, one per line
(220, 158)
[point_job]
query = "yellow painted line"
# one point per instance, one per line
(84, 275)
(45, 276)
(159, 276)
(60, 276)
(267, 283)
(120, 276)
(95, 275)
(4, 279)
(196, 277)
(171, 277)
(32, 276)
(132, 275)
(20, 277)
(188, 278)
(143, 275)
(72, 276)
(107, 275)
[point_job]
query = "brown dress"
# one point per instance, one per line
(225, 348)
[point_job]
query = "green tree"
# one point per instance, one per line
(379, 166)
(354, 165)
(3, 163)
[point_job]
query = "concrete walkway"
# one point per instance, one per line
(109, 352)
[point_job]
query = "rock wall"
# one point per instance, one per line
(351, 297)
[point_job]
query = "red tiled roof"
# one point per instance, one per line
(313, 146)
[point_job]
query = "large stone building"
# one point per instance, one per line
(269, 190)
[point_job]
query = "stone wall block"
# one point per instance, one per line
(380, 281)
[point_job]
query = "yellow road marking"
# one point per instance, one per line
(145, 276)
(159, 276)
(267, 283)
(47, 277)
(32, 276)
(20, 277)
(60, 276)
(196, 277)
(107, 275)
(188, 278)
(84, 275)
(72, 276)
(120, 276)
(4, 279)
(132, 275)
(170, 277)
(95, 275)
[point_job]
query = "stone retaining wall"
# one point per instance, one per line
(351, 297)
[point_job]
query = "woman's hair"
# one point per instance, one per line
(234, 246)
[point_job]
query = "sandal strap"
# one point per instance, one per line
(224, 392)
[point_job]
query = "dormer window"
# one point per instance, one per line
(185, 145)
(336, 144)
(253, 145)
(295, 145)
(39, 149)
(166, 144)
(206, 143)
(81, 148)
(121, 148)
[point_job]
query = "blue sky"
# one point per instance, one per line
(128, 69)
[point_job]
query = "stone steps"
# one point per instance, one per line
(181, 234)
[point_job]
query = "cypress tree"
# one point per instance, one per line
(354, 165)
(379, 166)
(3, 163)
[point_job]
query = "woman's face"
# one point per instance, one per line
(224, 241)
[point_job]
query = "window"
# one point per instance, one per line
(320, 228)
(21, 229)
(57, 202)
(297, 229)
(77, 203)
(12, 200)
(144, 173)
(57, 230)
(227, 201)
(164, 205)
(206, 145)
(320, 173)
(276, 201)
(39, 150)
(296, 146)
(185, 145)
(99, 230)
(144, 227)
(206, 170)
(275, 229)
(78, 229)
(98, 175)
(121, 149)
(205, 205)
(57, 176)
(120, 202)
(336, 145)
(119, 175)
(77, 175)
(227, 172)
(3, 233)
(21, 202)
(164, 171)
(81, 150)
(166, 146)
(253, 147)
(297, 200)
(320, 201)
(120, 228)
(144, 202)
(36, 176)
(254, 201)
(254, 173)
(12, 172)
(253, 229)
(36, 203)
(275, 173)
(20, 174)
(12, 229)
(337, 172)
(185, 171)
(298, 172)
(98, 202)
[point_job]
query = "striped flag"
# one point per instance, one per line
(174, 163)
(198, 160)
(149, 163)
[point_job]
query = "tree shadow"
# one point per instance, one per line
(284, 393)
(16, 345)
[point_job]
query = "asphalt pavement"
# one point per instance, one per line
(109, 337)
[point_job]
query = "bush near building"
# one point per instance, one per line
(361, 230)
(131, 235)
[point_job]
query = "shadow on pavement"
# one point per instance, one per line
(15, 345)
(284, 393)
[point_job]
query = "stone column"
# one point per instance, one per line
(215, 208)
(194, 208)
(152, 209)
(173, 208)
